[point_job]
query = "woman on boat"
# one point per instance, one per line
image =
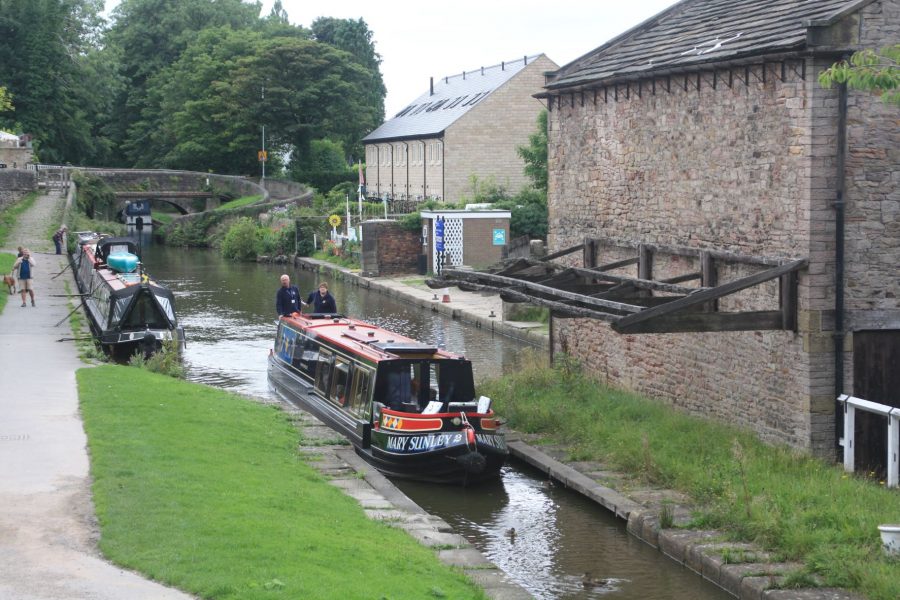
(322, 300)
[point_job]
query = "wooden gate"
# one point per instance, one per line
(876, 377)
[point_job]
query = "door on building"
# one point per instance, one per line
(876, 377)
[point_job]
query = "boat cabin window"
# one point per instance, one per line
(409, 385)
(143, 313)
(323, 372)
(359, 394)
(341, 382)
(305, 355)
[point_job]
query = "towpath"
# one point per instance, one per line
(48, 532)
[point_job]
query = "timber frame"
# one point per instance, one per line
(638, 304)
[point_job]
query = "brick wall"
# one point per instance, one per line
(387, 249)
(747, 168)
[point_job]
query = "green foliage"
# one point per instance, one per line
(528, 214)
(192, 231)
(239, 202)
(791, 504)
(869, 70)
(186, 470)
(242, 241)
(45, 64)
(95, 198)
(411, 222)
(6, 104)
(6, 263)
(535, 154)
(277, 240)
(166, 361)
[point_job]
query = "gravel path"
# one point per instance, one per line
(48, 531)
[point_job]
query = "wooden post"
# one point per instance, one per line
(709, 278)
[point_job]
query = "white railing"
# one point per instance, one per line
(851, 405)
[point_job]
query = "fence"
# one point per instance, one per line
(851, 405)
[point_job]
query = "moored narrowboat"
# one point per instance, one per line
(128, 312)
(408, 408)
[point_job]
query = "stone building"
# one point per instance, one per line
(465, 125)
(703, 132)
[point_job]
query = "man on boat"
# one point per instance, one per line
(322, 300)
(287, 299)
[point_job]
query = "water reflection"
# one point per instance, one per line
(228, 311)
(557, 544)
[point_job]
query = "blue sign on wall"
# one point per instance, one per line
(439, 234)
(499, 237)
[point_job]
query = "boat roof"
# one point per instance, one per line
(365, 339)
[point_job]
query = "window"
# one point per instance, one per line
(456, 101)
(340, 383)
(323, 372)
(359, 395)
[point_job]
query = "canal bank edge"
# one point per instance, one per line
(702, 551)
(481, 311)
(328, 453)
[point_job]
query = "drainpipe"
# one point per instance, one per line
(839, 208)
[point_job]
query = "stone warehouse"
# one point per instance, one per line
(466, 125)
(700, 145)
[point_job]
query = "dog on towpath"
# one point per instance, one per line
(10, 282)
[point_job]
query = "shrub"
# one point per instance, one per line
(95, 198)
(242, 242)
(165, 361)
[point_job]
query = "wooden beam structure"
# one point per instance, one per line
(639, 304)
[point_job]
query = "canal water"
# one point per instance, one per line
(551, 541)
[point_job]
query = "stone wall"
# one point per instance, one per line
(15, 183)
(742, 161)
(484, 141)
(387, 249)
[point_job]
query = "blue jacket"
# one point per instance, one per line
(322, 304)
(287, 300)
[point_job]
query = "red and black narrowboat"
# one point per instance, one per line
(408, 408)
(128, 312)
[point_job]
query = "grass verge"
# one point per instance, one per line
(205, 491)
(6, 263)
(239, 202)
(10, 214)
(795, 506)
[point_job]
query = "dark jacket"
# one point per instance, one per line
(287, 300)
(322, 304)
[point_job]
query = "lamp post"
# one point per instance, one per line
(263, 157)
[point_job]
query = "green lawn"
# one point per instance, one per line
(10, 214)
(6, 263)
(795, 506)
(205, 491)
(239, 202)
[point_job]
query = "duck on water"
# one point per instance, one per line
(408, 408)
(128, 312)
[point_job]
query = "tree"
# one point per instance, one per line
(44, 50)
(6, 104)
(870, 71)
(149, 36)
(356, 38)
(535, 154)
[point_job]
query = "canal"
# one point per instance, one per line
(549, 540)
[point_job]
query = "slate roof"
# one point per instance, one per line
(694, 32)
(455, 95)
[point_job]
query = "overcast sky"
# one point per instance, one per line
(422, 39)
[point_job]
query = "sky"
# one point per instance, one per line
(418, 40)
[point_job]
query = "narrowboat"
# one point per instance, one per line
(407, 407)
(128, 312)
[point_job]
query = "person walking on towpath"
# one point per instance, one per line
(287, 298)
(58, 238)
(322, 300)
(22, 268)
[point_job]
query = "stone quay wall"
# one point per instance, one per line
(741, 161)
